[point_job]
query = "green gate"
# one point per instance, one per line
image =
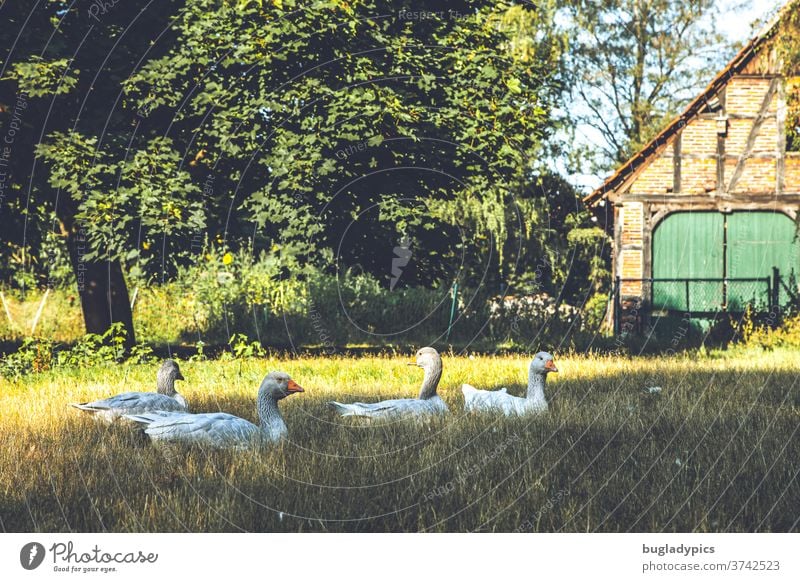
(688, 245)
(736, 251)
(757, 243)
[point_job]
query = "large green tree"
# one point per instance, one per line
(324, 131)
(310, 116)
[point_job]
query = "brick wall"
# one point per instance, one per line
(699, 138)
(630, 268)
(792, 174)
(656, 178)
(744, 97)
(698, 176)
(758, 176)
(631, 221)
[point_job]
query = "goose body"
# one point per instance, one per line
(500, 401)
(398, 408)
(164, 399)
(220, 430)
(428, 403)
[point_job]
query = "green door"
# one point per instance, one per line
(757, 242)
(688, 245)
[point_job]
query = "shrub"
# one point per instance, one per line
(39, 355)
(237, 291)
(595, 311)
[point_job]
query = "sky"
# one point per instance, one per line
(738, 23)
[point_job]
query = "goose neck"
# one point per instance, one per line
(268, 413)
(166, 385)
(536, 383)
(433, 373)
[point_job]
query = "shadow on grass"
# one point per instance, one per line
(711, 452)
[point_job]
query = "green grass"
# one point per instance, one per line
(162, 314)
(716, 450)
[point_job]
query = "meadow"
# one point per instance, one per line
(715, 450)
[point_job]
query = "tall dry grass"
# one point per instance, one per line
(715, 450)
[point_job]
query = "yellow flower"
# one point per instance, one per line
(146, 245)
(227, 259)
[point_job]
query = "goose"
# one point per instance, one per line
(220, 430)
(165, 398)
(500, 401)
(427, 403)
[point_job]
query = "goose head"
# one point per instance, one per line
(542, 364)
(427, 357)
(167, 374)
(429, 360)
(278, 385)
(275, 386)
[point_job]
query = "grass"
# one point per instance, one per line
(715, 450)
(157, 315)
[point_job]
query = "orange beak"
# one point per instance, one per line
(294, 387)
(550, 366)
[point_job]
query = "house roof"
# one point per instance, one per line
(739, 62)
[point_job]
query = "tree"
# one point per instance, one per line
(636, 63)
(280, 121)
(63, 65)
(428, 115)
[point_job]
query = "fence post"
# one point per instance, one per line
(617, 306)
(689, 311)
(454, 294)
(776, 288)
(688, 315)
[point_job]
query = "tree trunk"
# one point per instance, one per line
(102, 288)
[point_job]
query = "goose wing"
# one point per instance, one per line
(400, 407)
(215, 429)
(133, 403)
(491, 401)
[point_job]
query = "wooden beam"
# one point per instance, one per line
(723, 112)
(676, 163)
(721, 164)
(754, 131)
(789, 210)
(766, 199)
(647, 249)
(780, 166)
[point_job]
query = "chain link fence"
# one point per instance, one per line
(698, 297)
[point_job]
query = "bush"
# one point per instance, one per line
(39, 355)
(595, 311)
(234, 299)
(760, 334)
(237, 292)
